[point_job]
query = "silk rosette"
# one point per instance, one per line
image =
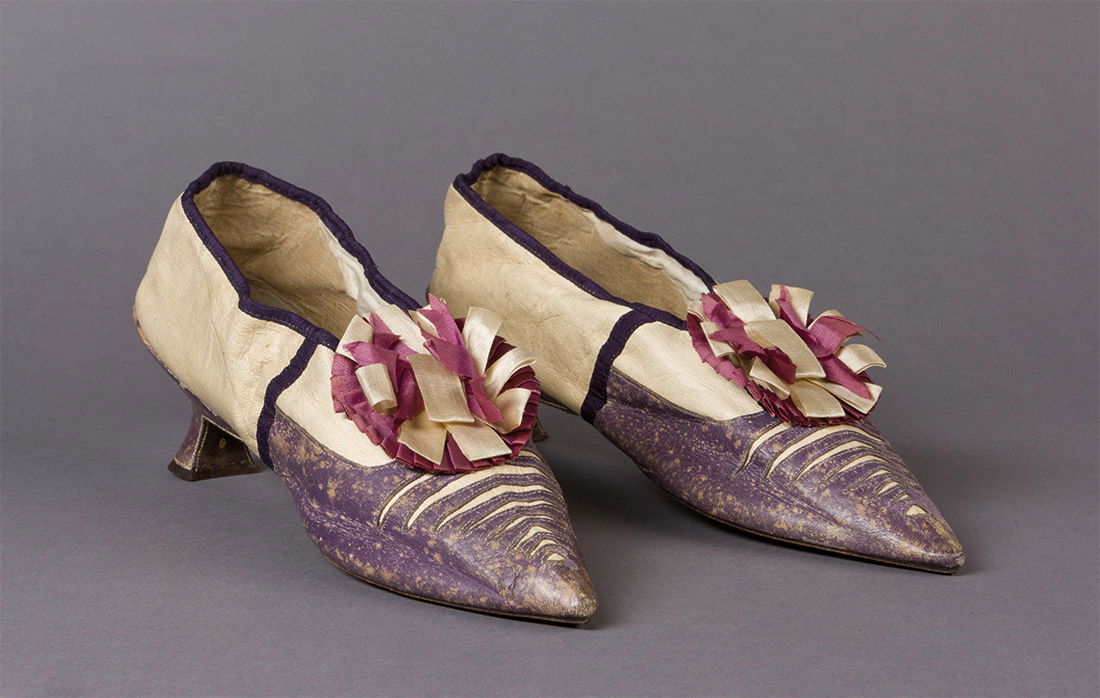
(800, 368)
(437, 393)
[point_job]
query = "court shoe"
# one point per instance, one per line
(402, 432)
(750, 410)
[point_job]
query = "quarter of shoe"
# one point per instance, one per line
(605, 308)
(250, 286)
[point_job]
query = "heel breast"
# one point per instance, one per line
(209, 451)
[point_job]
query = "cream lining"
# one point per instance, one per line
(286, 253)
(625, 267)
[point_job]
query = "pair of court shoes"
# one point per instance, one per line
(405, 430)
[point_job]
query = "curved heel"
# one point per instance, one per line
(209, 451)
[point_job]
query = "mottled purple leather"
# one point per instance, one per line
(707, 464)
(482, 559)
(473, 560)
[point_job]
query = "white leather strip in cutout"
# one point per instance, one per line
(366, 298)
(466, 480)
(689, 284)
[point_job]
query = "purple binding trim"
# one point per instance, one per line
(597, 385)
(313, 334)
(463, 184)
(625, 326)
(275, 388)
(319, 206)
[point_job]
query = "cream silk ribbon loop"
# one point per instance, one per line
(780, 335)
(401, 325)
(800, 300)
(815, 401)
(744, 301)
(427, 438)
(479, 331)
(719, 347)
(759, 372)
(442, 390)
(859, 357)
(504, 368)
(374, 379)
(358, 330)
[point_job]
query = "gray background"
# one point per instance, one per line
(931, 169)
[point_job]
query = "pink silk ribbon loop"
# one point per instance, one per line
(798, 367)
(436, 393)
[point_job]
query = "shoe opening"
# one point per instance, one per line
(626, 263)
(282, 241)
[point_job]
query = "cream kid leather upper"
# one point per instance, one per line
(477, 264)
(193, 316)
(253, 287)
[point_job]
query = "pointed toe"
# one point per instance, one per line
(840, 488)
(928, 541)
(906, 531)
(524, 544)
(946, 556)
(855, 495)
(559, 592)
(881, 509)
(496, 540)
